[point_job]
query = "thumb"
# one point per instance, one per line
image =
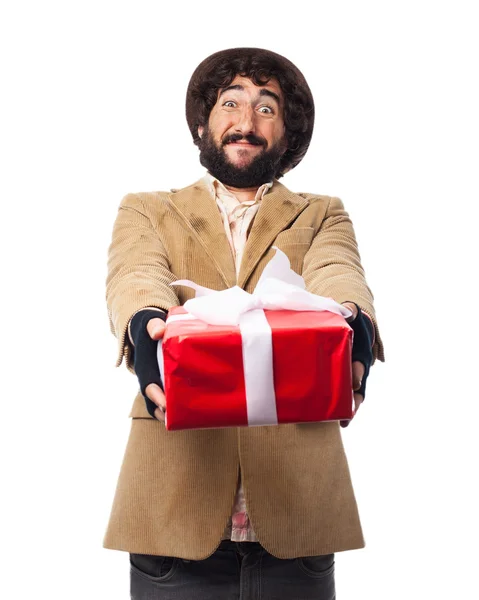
(156, 328)
(358, 374)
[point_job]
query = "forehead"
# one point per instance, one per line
(249, 86)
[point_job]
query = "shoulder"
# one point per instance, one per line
(310, 197)
(323, 204)
(156, 198)
(333, 201)
(150, 203)
(141, 199)
(328, 206)
(146, 204)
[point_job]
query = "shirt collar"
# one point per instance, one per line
(213, 184)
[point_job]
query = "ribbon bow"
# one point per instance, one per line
(279, 288)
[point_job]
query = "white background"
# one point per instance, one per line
(92, 109)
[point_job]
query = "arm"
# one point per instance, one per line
(138, 272)
(332, 267)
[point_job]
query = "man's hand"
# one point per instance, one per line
(145, 331)
(156, 329)
(358, 372)
(358, 369)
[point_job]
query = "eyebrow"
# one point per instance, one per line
(262, 92)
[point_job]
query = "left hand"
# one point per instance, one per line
(358, 371)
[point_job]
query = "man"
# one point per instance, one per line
(236, 512)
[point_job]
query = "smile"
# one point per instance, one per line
(244, 144)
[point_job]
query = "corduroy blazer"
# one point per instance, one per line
(176, 488)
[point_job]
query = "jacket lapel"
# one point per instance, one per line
(198, 209)
(278, 208)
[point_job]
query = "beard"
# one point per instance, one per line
(260, 169)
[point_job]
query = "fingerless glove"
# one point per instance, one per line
(145, 359)
(362, 344)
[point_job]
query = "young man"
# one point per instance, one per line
(237, 512)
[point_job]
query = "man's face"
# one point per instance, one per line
(244, 139)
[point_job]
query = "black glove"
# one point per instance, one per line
(145, 359)
(362, 344)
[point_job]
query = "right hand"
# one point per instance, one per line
(156, 329)
(145, 330)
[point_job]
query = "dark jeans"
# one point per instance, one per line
(236, 571)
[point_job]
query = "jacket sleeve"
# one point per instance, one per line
(332, 267)
(138, 272)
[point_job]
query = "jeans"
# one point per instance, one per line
(235, 571)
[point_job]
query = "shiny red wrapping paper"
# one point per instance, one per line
(205, 383)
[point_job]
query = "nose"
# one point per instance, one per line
(245, 123)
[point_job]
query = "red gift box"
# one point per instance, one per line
(211, 381)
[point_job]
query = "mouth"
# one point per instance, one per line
(244, 144)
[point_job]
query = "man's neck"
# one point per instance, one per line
(243, 194)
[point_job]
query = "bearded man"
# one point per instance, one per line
(250, 512)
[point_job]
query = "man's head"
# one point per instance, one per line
(251, 113)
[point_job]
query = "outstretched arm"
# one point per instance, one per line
(332, 267)
(138, 272)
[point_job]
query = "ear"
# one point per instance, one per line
(200, 130)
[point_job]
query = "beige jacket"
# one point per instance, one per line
(175, 483)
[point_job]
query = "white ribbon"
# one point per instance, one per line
(279, 288)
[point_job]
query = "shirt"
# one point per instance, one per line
(237, 216)
(237, 219)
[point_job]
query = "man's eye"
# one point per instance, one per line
(269, 110)
(229, 102)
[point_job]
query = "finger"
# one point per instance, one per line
(156, 328)
(358, 398)
(358, 374)
(156, 395)
(353, 308)
(160, 415)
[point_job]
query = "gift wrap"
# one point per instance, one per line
(279, 355)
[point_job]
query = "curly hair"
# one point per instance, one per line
(218, 71)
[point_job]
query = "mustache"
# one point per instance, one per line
(236, 137)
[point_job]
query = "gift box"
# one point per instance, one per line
(279, 355)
